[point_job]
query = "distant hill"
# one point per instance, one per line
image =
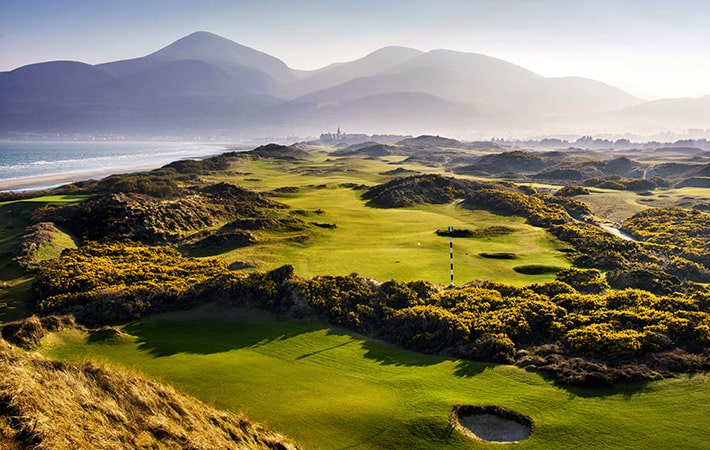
(199, 82)
(369, 149)
(50, 80)
(484, 83)
(204, 84)
(339, 73)
(223, 53)
(678, 112)
(426, 141)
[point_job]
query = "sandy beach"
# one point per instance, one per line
(52, 181)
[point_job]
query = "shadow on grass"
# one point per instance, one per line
(390, 355)
(13, 300)
(163, 337)
(326, 349)
(207, 336)
(626, 390)
(469, 369)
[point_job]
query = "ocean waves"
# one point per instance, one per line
(31, 159)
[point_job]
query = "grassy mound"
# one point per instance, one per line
(515, 161)
(400, 172)
(135, 215)
(50, 405)
(29, 332)
(456, 232)
(369, 149)
(417, 190)
(41, 242)
(276, 151)
(428, 141)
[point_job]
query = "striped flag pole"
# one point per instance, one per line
(451, 253)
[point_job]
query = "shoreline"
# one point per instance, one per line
(41, 182)
(129, 159)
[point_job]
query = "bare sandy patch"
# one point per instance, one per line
(491, 423)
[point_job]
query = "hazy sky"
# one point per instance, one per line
(652, 48)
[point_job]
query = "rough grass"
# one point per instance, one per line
(41, 242)
(15, 215)
(617, 206)
(50, 405)
(28, 333)
(328, 388)
(15, 284)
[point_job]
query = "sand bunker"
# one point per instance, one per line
(491, 423)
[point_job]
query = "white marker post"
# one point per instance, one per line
(451, 253)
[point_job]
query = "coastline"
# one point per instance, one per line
(52, 181)
(34, 165)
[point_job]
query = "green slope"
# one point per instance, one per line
(328, 388)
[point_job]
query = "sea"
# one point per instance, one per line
(28, 160)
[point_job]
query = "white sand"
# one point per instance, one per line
(491, 428)
(50, 181)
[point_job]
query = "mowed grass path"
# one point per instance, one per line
(331, 389)
(385, 243)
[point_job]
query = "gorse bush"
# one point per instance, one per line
(684, 233)
(601, 339)
(588, 281)
(571, 191)
(489, 321)
(342, 300)
(117, 281)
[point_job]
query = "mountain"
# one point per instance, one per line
(200, 81)
(231, 58)
(685, 112)
(49, 80)
(223, 53)
(487, 83)
(206, 84)
(339, 73)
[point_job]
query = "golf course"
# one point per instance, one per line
(328, 388)
(215, 234)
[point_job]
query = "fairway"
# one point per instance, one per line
(384, 243)
(328, 388)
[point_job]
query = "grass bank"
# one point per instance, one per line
(328, 388)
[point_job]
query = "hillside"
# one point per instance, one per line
(204, 84)
(338, 73)
(51, 405)
(484, 83)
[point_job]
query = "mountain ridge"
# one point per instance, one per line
(205, 83)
